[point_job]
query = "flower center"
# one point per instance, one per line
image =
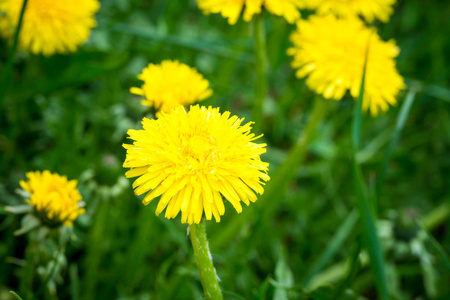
(200, 147)
(199, 152)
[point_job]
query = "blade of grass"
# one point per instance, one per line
(432, 90)
(437, 216)
(369, 231)
(333, 246)
(400, 123)
(74, 282)
(15, 295)
(205, 46)
(355, 266)
(436, 247)
(9, 64)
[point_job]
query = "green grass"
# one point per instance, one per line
(303, 238)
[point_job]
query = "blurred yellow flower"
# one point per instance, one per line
(49, 26)
(232, 9)
(192, 159)
(369, 9)
(331, 53)
(170, 84)
(54, 198)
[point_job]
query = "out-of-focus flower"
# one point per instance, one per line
(331, 53)
(192, 159)
(49, 26)
(368, 9)
(232, 9)
(170, 84)
(55, 199)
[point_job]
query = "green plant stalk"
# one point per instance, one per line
(369, 231)
(281, 178)
(259, 36)
(401, 120)
(9, 64)
(208, 276)
(65, 236)
(284, 174)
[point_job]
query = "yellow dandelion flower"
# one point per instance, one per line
(331, 53)
(192, 159)
(232, 9)
(170, 84)
(54, 198)
(49, 26)
(368, 9)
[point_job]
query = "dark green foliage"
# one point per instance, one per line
(70, 114)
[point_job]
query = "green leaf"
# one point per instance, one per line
(28, 223)
(284, 277)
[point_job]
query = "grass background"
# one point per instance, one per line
(70, 113)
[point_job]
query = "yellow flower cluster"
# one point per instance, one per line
(192, 159)
(232, 9)
(170, 84)
(49, 26)
(54, 198)
(368, 9)
(331, 53)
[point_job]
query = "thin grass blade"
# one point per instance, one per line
(401, 120)
(368, 227)
(333, 246)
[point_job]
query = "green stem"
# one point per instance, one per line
(280, 179)
(259, 37)
(64, 239)
(208, 276)
(9, 65)
(285, 173)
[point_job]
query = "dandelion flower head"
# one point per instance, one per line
(55, 199)
(368, 9)
(232, 9)
(49, 26)
(170, 84)
(331, 53)
(192, 159)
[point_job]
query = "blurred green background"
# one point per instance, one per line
(70, 114)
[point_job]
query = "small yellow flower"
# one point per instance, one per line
(170, 84)
(232, 9)
(192, 159)
(369, 9)
(331, 53)
(55, 199)
(49, 26)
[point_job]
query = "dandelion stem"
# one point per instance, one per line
(9, 64)
(259, 36)
(208, 276)
(286, 172)
(281, 178)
